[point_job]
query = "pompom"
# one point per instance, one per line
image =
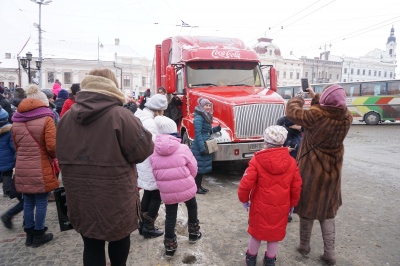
(32, 89)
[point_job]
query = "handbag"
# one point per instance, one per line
(211, 145)
(62, 210)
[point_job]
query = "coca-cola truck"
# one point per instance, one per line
(229, 74)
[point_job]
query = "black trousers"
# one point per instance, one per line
(151, 202)
(171, 211)
(94, 253)
(6, 177)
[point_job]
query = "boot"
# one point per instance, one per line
(328, 235)
(149, 230)
(194, 233)
(251, 260)
(305, 236)
(41, 238)
(170, 245)
(269, 261)
(199, 179)
(141, 224)
(29, 236)
(7, 221)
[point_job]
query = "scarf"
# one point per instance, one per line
(32, 114)
(206, 115)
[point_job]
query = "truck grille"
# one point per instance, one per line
(252, 120)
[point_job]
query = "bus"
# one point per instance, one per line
(372, 102)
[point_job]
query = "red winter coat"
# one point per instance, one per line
(66, 106)
(272, 184)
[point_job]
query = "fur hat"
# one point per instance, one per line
(165, 125)
(275, 135)
(63, 94)
(157, 102)
(48, 93)
(333, 96)
(32, 91)
(4, 114)
(19, 93)
(102, 85)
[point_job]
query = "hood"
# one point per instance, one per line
(165, 144)
(240, 95)
(89, 106)
(275, 161)
(144, 114)
(5, 128)
(56, 86)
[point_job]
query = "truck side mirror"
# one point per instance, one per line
(273, 79)
(170, 81)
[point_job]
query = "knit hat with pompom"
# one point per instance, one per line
(32, 91)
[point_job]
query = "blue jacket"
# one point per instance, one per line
(7, 150)
(202, 131)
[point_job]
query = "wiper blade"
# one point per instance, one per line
(239, 85)
(204, 84)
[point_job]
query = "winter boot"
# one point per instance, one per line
(306, 226)
(29, 236)
(40, 238)
(6, 221)
(141, 224)
(149, 230)
(328, 235)
(170, 245)
(251, 260)
(199, 179)
(269, 261)
(194, 233)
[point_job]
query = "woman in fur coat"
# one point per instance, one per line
(320, 160)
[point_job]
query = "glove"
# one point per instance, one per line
(300, 94)
(246, 205)
(216, 129)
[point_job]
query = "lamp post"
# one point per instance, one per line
(40, 3)
(26, 64)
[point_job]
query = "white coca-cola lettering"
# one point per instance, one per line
(225, 54)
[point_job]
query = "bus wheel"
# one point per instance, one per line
(372, 118)
(186, 140)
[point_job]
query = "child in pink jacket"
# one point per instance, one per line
(174, 168)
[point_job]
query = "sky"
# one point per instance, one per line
(307, 27)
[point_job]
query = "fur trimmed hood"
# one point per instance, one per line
(102, 85)
(5, 128)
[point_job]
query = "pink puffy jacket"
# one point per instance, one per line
(174, 168)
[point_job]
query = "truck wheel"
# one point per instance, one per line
(372, 118)
(186, 140)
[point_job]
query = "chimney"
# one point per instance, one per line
(116, 41)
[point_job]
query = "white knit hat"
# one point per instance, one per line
(32, 91)
(275, 135)
(157, 102)
(165, 125)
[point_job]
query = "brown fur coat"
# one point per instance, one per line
(325, 129)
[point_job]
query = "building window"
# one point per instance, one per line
(284, 74)
(291, 75)
(67, 78)
(127, 81)
(352, 71)
(358, 71)
(297, 75)
(379, 74)
(11, 85)
(306, 74)
(337, 76)
(390, 75)
(369, 72)
(143, 81)
(330, 76)
(363, 72)
(2, 84)
(375, 73)
(384, 74)
(277, 74)
(344, 80)
(270, 52)
(50, 77)
(345, 71)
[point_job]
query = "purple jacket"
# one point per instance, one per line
(174, 168)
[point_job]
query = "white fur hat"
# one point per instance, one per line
(275, 135)
(157, 102)
(32, 91)
(165, 125)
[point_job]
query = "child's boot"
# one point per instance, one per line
(328, 235)
(40, 237)
(149, 229)
(306, 226)
(170, 245)
(269, 261)
(194, 232)
(251, 260)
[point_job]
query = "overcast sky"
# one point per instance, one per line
(351, 27)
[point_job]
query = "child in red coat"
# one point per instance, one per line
(270, 186)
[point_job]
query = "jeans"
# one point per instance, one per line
(6, 176)
(94, 253)
(171, 211)
(17, 208)
(32, 218)
(151, 202)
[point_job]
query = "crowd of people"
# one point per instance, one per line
(140, 148)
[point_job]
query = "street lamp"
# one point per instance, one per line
(26, 64)
(40, 3)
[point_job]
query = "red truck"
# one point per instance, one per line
(229, 74)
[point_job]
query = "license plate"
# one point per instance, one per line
(256, 146)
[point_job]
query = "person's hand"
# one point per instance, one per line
(290, 149)
(203, 152)
(216, 129)
(291, 210)
(311, 92)
(246, 205)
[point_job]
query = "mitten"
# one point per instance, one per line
(216, 129)
(246, 205)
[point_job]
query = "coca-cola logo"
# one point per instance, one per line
(225, 54)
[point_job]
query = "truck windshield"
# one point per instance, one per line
(203, 74)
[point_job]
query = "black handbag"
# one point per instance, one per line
(62, 211)
(13, 191)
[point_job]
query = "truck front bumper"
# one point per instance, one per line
(237, 151)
